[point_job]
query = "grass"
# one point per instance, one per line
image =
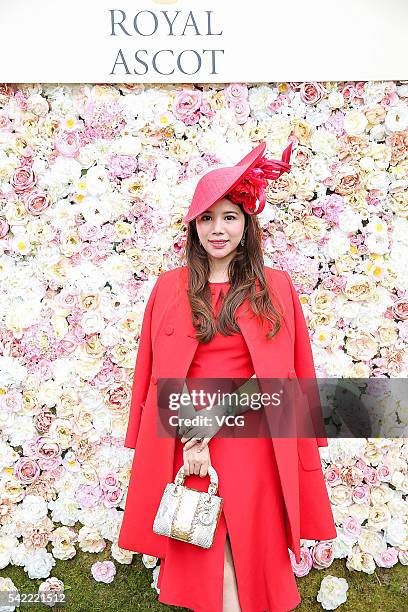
(385, 590)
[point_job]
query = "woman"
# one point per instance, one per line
(226, 315)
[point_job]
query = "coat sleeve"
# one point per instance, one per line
(304, 364)
(142, 373)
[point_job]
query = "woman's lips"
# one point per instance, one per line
(218, 244)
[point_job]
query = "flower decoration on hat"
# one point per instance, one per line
(251, 188)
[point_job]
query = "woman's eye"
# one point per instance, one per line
(205, 217)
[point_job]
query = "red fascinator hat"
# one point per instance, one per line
(243, 184)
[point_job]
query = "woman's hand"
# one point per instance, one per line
(190, 442)
(196, 461)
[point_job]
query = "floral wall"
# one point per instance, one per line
(94, 183)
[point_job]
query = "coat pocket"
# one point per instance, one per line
(309, 454)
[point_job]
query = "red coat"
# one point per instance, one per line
(166, 349)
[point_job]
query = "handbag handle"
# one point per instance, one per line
(212, 487)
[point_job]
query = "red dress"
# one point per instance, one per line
(192, 577)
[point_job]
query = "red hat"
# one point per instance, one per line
(244, 183)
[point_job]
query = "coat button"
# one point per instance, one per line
(169, 329)
(292, 374)
(153, 378)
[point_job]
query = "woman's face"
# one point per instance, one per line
(224, 222)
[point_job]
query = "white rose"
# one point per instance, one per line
(374, 92)
(6, 584)
(33, 508)
(360, 512)
(7, 544)
(64, 551)
(377, 132)
(324, 142)
(87, 155)
(337, 244)
(97, 180)
(64, 170)
(335, 99)
(371, 542)
(12, 373)
(350, 221)
(342, 545)
(355, 123)
(360, 561)
(149, 561)
(396, 533)
(90, 539)
(396, 119)
(48, 393)
(37, 105)
(332, 592)
(19, 554)
(121, 555)
(64, 510)
(377, 244)
(261, 97)
(39, 563)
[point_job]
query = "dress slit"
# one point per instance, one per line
(234, 557)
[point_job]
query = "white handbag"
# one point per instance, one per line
(187, 514)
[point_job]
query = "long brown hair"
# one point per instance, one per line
(243, 270)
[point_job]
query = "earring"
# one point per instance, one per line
(242, 240)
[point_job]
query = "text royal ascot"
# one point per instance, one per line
(147, 24)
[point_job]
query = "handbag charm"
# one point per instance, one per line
(187, 514)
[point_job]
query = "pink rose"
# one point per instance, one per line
(118, 399)
(43, 420)
(48, 449)
(241, 111)
(384, 472)
(5, 121)
(279, 241)
(103, 571)
(403, 330)
(371, 476)
(88, 496)
(388, 558)
(196, 166)
(236, 92)
(361, 494)
(332, 475)
(305, 565)
(322, 555)
(186, 106)
(68, 143)
(36, 202)
(26, 470)
(122, 166)
(4, 228)
(206, 110)
(109, 482)
(51, 465)
(311, 92)
(351, 527)
(110, 499)
(23, 179)
(11, 402)
(360, 464)
(400, 308)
